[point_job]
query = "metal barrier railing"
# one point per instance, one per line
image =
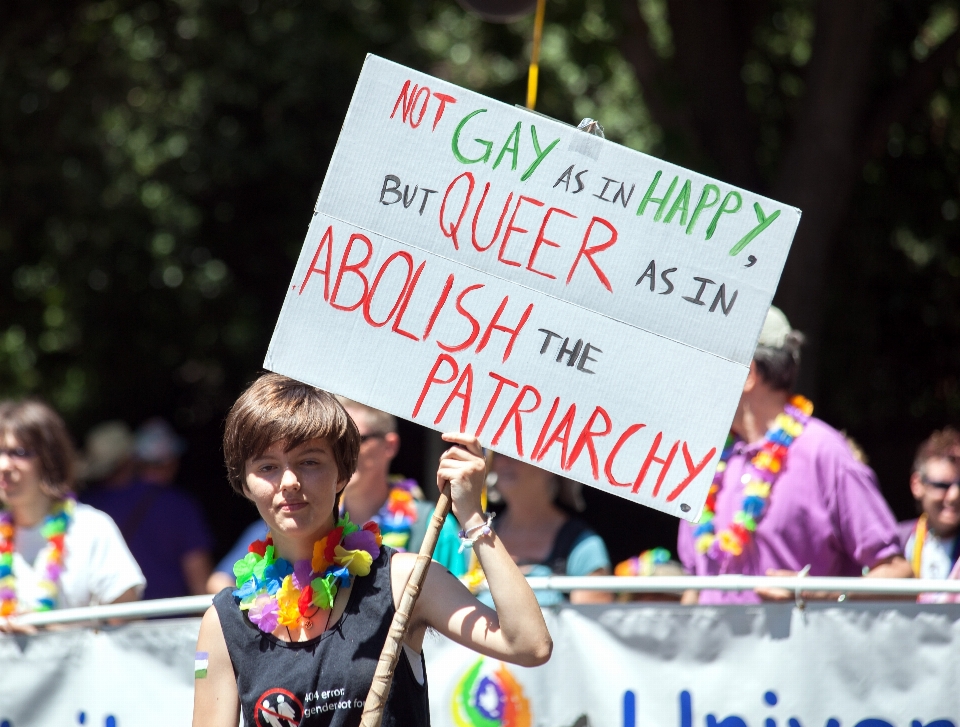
(878, 587)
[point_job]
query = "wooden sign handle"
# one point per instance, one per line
(383, 677)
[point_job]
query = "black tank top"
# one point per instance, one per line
(323, 681)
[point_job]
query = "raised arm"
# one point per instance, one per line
(515, 631)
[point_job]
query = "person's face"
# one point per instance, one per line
(518, 478)
(941, 504)
(377, 450)
(295, 491)
(20, 482)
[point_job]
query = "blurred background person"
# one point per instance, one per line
(539, 528)
(395, 503)
(930, 542)
(788, 493)
(650, 563)
(163, 526)
(54, 552)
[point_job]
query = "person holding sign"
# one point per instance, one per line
(788, 495)
(298, 640)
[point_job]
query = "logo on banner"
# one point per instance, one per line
(278, 708)
(490, 697)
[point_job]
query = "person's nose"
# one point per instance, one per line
(289, 480)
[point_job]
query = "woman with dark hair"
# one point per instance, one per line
(541, 532)
(54, 552)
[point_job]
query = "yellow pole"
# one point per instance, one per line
(534, 74)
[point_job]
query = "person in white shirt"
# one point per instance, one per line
(54, 552)
(930, 542)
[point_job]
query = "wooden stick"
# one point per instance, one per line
(383, 677)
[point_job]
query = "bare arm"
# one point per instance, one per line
(219, 580)
(216, 702)
(515, 631)
(593, 596)
(894, 566)
(196, 566)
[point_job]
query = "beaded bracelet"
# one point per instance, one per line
(466, 542)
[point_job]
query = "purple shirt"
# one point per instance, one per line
(824, 511)
(160, 525)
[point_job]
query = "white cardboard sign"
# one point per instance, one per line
(475, 266)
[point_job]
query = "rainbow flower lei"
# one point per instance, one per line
(644, 564)
(275, 593)
(54, 529)
(761, 474)
(398, 514)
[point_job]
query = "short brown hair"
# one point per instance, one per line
(277, 408)
(944, 444)
(39, 428)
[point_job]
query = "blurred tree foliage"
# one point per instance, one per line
(159, 161)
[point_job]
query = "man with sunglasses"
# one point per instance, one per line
(396, 504)
(931, 542)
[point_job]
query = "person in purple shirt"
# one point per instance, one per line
(790, 494)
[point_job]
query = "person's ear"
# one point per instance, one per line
(916, 486)
(391, 441)
(753, 378)
(341, 485)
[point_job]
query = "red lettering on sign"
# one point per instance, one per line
(368, 301)
(608, 467)
(405, 100)
(511, 228)
(501, 381)
(585, 440)
(474, 323)
(516, 409)
(406, 301)
(423, 109)
(454, 229)
(544, 428)
(650, 459)
(495, 325)
(465, 381)
(325, 241)
(476, 217)
(447, 286)
(355, 268)
(432, 379)
(692, 471)
(444, 99)
(565, 427)
(542, 240)
(588, 252)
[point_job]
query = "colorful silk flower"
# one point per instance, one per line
(54, 530)
(760, 475)
(275, 593)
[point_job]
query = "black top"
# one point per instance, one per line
(323, 681)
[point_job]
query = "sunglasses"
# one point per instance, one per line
(940, 485)
(17, 452)
(365, 437)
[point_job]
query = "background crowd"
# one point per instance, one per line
(791, 495)
(161, 160)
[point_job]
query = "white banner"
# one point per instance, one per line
(475, 266)
(617, 666)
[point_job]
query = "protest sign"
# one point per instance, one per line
(571, 302)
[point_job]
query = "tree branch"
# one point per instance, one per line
(920, 80)
(652, 74)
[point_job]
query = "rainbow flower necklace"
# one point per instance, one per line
(275, 592)
(398, 514)
(53, 529)
(760, 476)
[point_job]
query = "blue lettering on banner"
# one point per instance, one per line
(111, 721)
(685, 709)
